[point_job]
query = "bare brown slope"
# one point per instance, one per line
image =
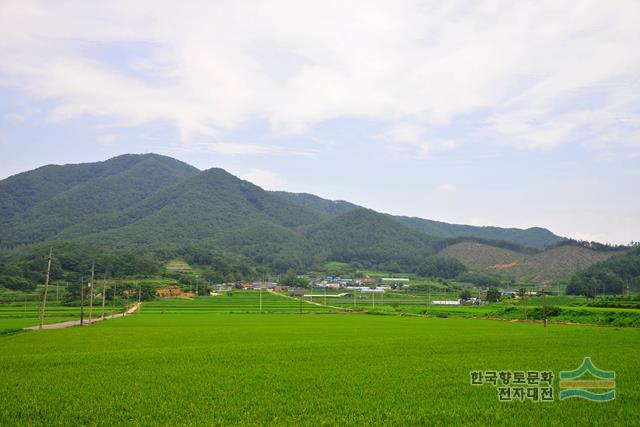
(553, 264)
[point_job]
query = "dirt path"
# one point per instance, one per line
(344, 309)
(70, 323)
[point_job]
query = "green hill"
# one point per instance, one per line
(536, 237)
(212, 209)
(133, 213)
(81, 194)
(618, 274)
(371, 239)
(318, 204)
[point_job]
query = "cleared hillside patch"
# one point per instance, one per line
(546, 266)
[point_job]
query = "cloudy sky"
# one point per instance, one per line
(511, 113)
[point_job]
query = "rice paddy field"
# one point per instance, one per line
(559, 309)
(183, 362)
(239, 301)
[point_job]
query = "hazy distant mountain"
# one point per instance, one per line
(535, 237)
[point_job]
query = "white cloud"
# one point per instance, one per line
(414, 137)
(536, 74)
(447, 188)
(264, 178)
(233, 149)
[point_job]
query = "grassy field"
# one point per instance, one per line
(559, 309)
(20, 314)
(202, 369)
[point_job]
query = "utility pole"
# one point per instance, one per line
(82, 301)
(127, 306)
(261, 298)
(355, 303)
(325, 294)
(113, 303)
(104, 293)
(544, 306)
(140, 296)
(46, 288)
(428, 299)
(91, 294)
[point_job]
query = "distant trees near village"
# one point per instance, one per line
(444, 267)
(613, 276)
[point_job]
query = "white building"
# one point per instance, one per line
(452, 302)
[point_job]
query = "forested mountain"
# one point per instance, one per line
(371, 239)
(131, 213)
(324, 206)
(20, 192)
(211, 209)
(535, 237)
(617, 275)
(76, 193)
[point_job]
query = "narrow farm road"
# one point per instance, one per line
(70, 323)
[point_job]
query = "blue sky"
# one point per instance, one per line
(489, 113)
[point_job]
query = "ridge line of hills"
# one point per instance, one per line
(154, 203)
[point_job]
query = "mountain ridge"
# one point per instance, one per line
(149, 204)
(534, 237)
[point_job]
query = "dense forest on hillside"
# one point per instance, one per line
(616, 275)
(131, 214)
